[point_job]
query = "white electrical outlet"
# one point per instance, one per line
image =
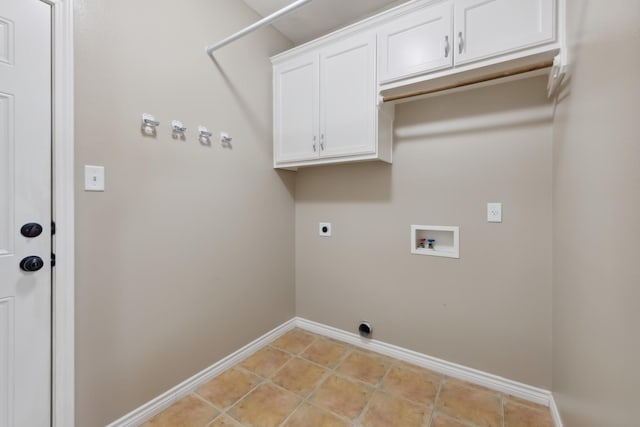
(93, 178)
(494, 212)
(324, 229)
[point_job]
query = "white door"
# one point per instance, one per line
(485, 28)
(25, 197)
(347, 97)
(416, 43)
(296, 109)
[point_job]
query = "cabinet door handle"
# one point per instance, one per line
(460, 43)
(322, 142)
(314, 147)
(446, 46)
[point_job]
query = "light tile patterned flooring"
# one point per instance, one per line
(305, 380)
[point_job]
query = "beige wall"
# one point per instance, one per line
(596, 273)
(491, 309)
(188, 255)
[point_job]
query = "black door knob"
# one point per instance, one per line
(31, 263)
(31, 229)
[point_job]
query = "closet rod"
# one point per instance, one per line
(483, 79)
(261, 23)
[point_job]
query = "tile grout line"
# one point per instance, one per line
(408, 366)
(277, 371)
(333, 371)
(233, 405)
(205, 401)
(292, 354)
(288, 417)
(315, 338)
(350, 349)
(269, 380)
(367, 405)
(329, 371)
(435, 402)
(376, 389)
(299, 356)
(358, 420)
(226, 410)
(294, 409)
(502, 409)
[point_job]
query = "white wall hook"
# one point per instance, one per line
(149, 124)
(204, 136)
(203, 132)
(225, 139)
(178, 128)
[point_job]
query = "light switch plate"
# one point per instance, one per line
(494, 212)
(93, 178)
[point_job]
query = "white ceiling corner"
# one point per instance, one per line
(318, 17)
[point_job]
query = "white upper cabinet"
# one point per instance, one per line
(334, 97)
(325, 108)
(347, 103)
(416, 43)
(296, 109)
(485, 28)
(426, 38)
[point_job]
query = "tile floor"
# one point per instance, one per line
(305, 380)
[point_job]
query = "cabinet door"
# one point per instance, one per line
(296, 109)
(485, 28)
(416, 43)
(347, 97)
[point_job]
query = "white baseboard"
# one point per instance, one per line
(160, 403)
(555, 413)
(494, 382)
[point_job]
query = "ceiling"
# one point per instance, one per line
(320, 16)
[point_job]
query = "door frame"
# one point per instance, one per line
(63, 285)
